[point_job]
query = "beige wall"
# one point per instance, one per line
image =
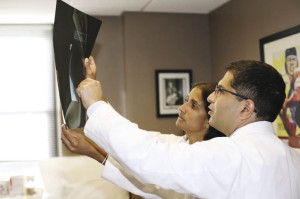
(109, 56)
(130, 48)
(235, 28)
(161, 41)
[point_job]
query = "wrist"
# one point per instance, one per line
(93, 107)
(105, 159)
(98, 156)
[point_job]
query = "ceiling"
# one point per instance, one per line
(42, 11)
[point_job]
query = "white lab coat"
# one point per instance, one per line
(251, 163)
(114, 173)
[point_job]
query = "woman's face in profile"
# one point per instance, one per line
(192, 116)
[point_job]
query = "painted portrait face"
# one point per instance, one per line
(192, 116)
(291, 64)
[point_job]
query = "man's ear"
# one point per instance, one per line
(248, 108)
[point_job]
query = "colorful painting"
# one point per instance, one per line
(282, 51)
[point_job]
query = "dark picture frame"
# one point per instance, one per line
(172, 86)
(282, 51)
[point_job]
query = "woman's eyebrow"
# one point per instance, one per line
(195, 101)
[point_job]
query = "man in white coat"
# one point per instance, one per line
(251, 162)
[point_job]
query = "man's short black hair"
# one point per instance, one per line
(261, 83)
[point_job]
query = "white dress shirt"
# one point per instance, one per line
(251, 163)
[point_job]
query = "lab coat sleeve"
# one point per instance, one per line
(199, 169)
(114, 173)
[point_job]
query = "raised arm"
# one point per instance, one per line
(177, 166)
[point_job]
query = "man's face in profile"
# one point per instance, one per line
(224, 107)
(291, 64)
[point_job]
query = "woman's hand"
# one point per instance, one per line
(78, 143)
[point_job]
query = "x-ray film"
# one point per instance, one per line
(74, 35)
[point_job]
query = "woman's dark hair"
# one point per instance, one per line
(206, 90)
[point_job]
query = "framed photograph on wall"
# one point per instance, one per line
(282, 51)
(172, 86)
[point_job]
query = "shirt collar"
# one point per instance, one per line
(254, 127)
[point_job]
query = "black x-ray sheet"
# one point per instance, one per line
(74, 35)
